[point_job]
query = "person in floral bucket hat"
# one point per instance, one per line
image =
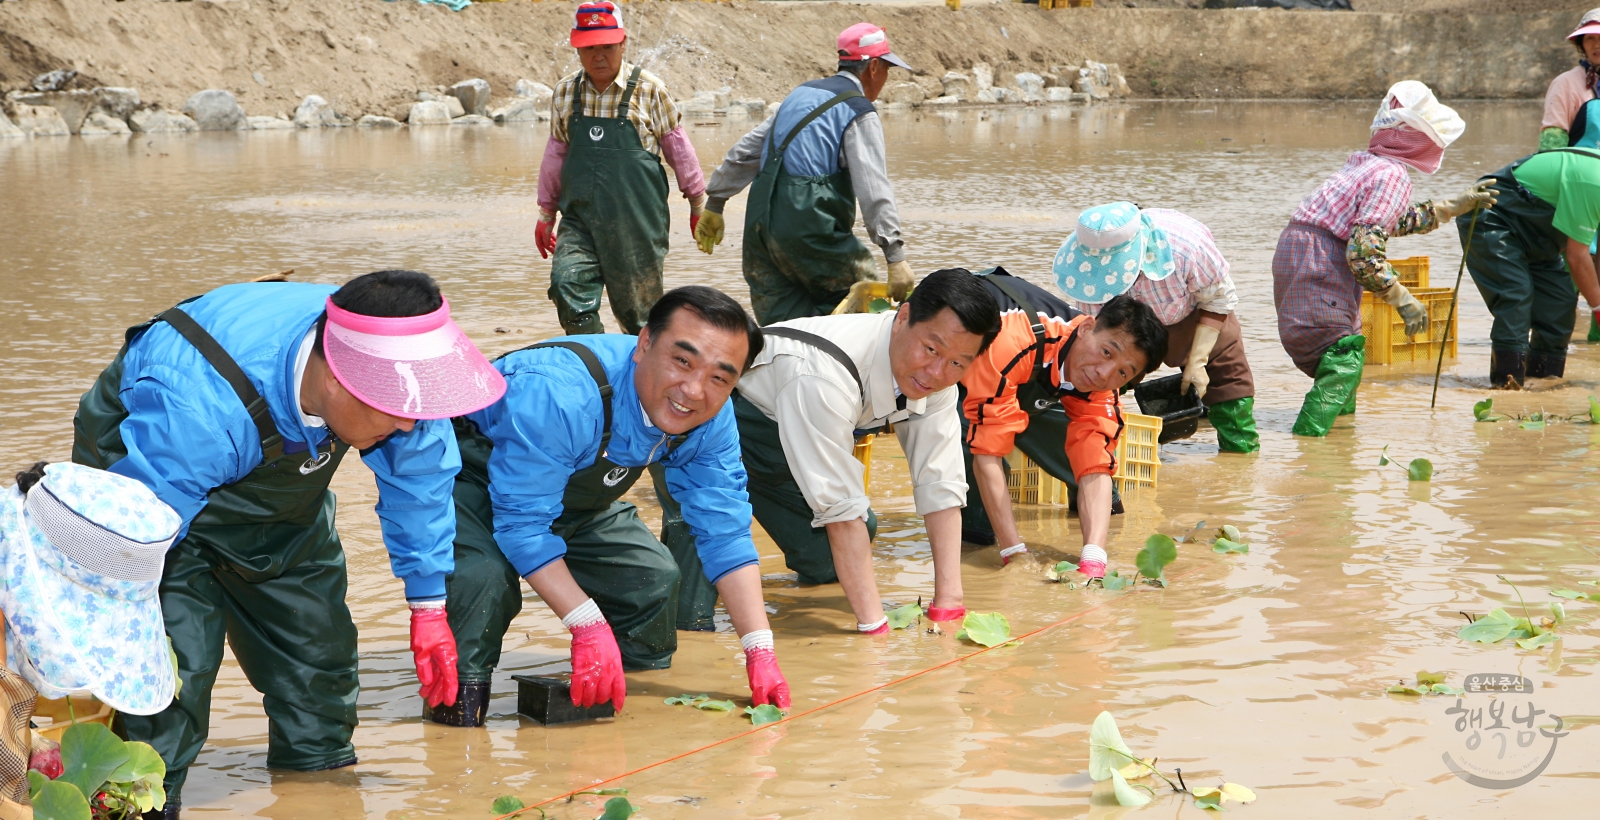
(81, 553)
(1170, 262)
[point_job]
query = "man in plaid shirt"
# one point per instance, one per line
(1170, 262)
(610, 126)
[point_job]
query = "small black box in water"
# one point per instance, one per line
(1180, 413)
(549, 701)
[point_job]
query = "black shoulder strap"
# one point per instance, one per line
(596, 372)
(821, 344)
(1036, 324)
(627, 95)
(188, 328)
(815, 113)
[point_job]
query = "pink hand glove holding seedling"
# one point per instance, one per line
(433, 649)
(1093, 562)
(767, 685)
(596, 660)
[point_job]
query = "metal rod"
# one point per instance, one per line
(1455, 295)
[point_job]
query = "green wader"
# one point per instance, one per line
(614, 222)
(800, 256)
(1333, 394)
(630, 575)
(1044, 442)
(1517, 261)
(261, 567)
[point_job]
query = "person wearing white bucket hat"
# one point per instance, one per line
(235, 409)
(81, 553)
(1169, 261)
(1336, 246)
(1569, 118)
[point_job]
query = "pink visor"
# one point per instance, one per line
(413, 367)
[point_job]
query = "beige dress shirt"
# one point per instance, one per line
(818, 409)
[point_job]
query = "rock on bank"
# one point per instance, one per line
(367, 55)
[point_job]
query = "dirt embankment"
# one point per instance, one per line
(368, 56)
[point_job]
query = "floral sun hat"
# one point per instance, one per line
(81, 557)
(1111, 246)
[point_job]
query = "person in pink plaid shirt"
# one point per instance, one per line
(1170, 262)
(1335, 247)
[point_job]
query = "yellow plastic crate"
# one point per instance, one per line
(1138, 452)
(863, 454)
(1387, 342)
(1028, 483)
(54, 716)
(1412, 270)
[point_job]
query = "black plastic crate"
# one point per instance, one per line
(549, 701)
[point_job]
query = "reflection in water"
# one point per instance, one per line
(1267, 667)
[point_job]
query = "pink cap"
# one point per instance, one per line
(863, 41)
(413, 367)
(1588, 24)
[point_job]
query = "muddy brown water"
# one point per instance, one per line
(1266, 669)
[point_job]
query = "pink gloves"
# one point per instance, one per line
(544, 236)
(1093, 562)
(433, 648)
(761, 666)
(596, 661)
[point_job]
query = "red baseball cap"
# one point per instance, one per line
(598, 23)
(863, 41)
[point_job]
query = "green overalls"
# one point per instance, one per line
(610, 553)
(261, 566)
(1517, 259)
(800, 256)
(1044, 442)
(614, 221)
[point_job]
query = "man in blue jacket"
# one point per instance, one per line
(235, 408)
(808, 167)
(538, 497)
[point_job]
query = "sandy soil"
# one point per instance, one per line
(368, 56)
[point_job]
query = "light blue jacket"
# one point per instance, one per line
(187, 433)
(548, 427)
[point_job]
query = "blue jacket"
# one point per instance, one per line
(548, 427)
(815, 151)
(187, 433)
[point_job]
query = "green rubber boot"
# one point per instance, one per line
(1338, 376)
(1594, 327)
(1235, 422)
(1349, 408)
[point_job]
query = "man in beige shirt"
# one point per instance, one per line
(818, 382)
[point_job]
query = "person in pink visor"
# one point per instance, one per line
(235, 408)
(611, 124)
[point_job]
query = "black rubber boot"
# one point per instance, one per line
(977, 538)
(170, 812)
(470, 709)
(1508, 369)
(1547, 365)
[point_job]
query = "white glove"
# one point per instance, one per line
(1411, 310)
(1478, 196)
(901, 280)
(1194, 372)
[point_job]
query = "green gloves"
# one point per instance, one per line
(1412, 311)
(1478, 196)
(708, 234)
(901, 280)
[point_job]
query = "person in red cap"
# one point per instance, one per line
(808, 167)
(235, 408)
(610, 125)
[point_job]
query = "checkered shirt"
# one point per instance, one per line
(652, 110)
(1368, 190)
(1200, 281)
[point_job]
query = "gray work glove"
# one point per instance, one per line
(1412, 311)
(1480, 195)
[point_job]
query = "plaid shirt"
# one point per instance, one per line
(1368, 190)
(652, 110)
(1200, 281)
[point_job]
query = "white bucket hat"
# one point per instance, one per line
(81, 558)
(1422, 111)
